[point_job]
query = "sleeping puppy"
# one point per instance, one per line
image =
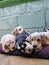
(22, 45)
(17, 30)
(8, 43)
(38, 40)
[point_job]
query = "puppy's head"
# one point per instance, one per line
(35, 40)
(21, 44)
(18, 30)
(11, 45)
(25, 48)
(8, 43)
(44, 38)
(46, 29)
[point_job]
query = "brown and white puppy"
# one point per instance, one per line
(8, 43)
(17, 30)
(38, 40)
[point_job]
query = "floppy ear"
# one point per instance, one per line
(44, 40)
(28, 38)
(15, 32)
(5, 48)
(28, 33)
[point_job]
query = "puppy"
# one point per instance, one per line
(8, 43)
(22, 45)
(38, 40)
(17, 30)
(46, 29)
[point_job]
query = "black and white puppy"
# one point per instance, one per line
(23, 45)
(46, 29)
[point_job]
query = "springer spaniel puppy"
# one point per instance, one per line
(38, 40)
(17, 30)
(8, 43)
(22, 45)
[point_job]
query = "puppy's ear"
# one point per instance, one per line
(15, 32)
(28, 38)
(44, 40)
(28, 33)
(5, 48)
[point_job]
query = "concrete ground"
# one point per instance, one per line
(17, 60)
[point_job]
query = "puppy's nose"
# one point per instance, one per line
(13, 48)
(34, 46)
(29, 50)
(23, 30)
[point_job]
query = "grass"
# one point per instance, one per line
(5, 3)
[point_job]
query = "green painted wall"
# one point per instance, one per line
(31, 15)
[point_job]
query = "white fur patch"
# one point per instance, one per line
(7, 37)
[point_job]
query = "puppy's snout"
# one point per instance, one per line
(30, 50)
(34, 46)
(13, 47)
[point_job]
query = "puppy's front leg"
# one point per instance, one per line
(38, 48)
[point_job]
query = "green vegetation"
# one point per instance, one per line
(5, 3)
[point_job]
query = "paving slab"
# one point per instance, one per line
(18, 60)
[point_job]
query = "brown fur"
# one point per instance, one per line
(38, 40)
(17, 30)
(44, 40)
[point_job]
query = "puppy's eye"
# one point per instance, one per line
(12, 41)
(38, 40)
(19, 29)
(8, 45)
(48, 29)
(31, 39)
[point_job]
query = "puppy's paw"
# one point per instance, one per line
(38, 49)
(6, 51)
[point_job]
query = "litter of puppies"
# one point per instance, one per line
(23, 41)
